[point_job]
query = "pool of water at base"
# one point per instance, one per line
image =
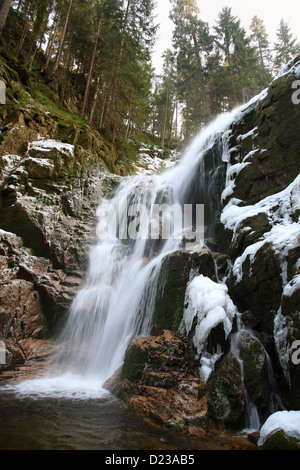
(36, 422)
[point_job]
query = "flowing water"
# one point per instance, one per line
(114, 306)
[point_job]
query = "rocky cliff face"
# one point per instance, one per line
(49, 191)
(257, 235)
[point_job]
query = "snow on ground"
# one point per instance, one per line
(288, 421)
(149, 165)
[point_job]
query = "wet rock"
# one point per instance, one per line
(156, 382)
(226, 395)
(256, 372)
(281, 441)
(174, 275)
(264, 162)
(259, 287)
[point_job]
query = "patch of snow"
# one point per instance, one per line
(16, 128)
(279, 209)
(208, 362)
(261, 96)
(288, 421)
(10, 234)
(283, 325)
(248, 134)
(40, 161)
(148, 165)
(50, 144)
(290, 67)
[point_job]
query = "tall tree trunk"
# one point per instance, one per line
(26, 14)
(96, 94)
(50, 42)
(89, 78)
(4, 13)
(58, 55)
(116, 81)
(104, 106)
(206, 104)
(164, 129)
(23, 37)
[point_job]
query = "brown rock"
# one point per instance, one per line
(156, 383)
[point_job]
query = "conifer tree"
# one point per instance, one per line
(259, 37)
(286, 46)
(193, 44)
(238, 59)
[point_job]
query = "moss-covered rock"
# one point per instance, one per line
(157, 384)
(256, 373)
(281, 441)
(174, 276)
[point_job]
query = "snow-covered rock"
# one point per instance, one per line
(286, 421)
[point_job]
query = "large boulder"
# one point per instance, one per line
(226, 394)
(175, 272)
(157, 383)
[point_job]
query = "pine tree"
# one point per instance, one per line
(286, 47)
(99, 17)
(238, 59)
(259, 37)
(62, 39)
(165, 101)
(136, 34)
(193, 44)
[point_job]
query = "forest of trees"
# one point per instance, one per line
(96, 55)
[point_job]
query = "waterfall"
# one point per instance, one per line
(115, 304)
(252, 416)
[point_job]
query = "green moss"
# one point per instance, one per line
(134, 363)
(280, 441)
(43, 97)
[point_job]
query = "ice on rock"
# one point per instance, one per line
(285, 231)
(210, 304)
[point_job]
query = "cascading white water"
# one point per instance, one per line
(116, 303)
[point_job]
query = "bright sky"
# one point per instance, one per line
(270, 11)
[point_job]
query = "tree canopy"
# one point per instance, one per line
(97, 56)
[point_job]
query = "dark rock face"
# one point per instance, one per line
(226, 398)
(258, 231)
(174, 275)
(256, 373)
(263, 238)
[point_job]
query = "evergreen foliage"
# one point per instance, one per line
(95, 56)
